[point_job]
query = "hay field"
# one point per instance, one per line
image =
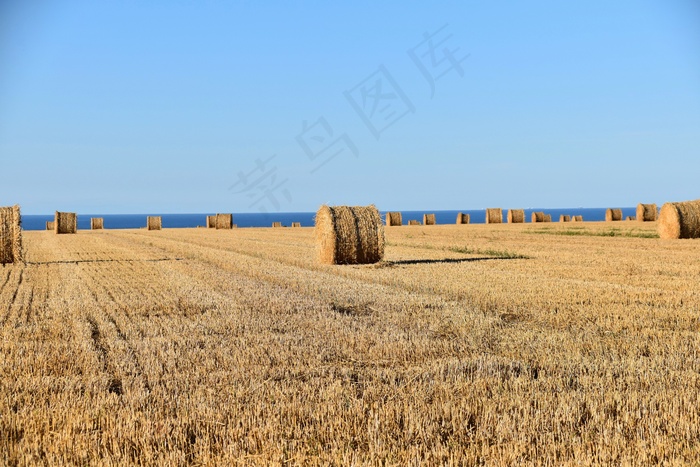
(479, 344)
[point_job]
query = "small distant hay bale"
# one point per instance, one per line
(97, 223)
(393, 218)
(630, 218)
(680, 220)
(516, 216)
(10, 235)
(428, 219)
(494, 216)
(66, 222)
(276, 224)
(547, 218)
(612, 214)
(537, 216)
(349, 235)
(50, 225)
(647, 212)
(211, 222)
(578, 218)
(296, 224)
(154, 223)
(414, 222)
(462, 218)
(223, 221)
(564, 218)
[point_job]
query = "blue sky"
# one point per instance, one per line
(180, 106)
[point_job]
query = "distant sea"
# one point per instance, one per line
(135, 221)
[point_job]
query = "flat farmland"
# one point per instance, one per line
(551, 344)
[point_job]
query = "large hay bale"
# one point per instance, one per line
(547, 218)
(647, 212)
(393, 218)
(578, 218)
(414, 222)
(224, 221)
(97, 223)
(154, 223)
(680, 220)
(428, 219)
(349, 235)
(462, 218)
(66, 222)
(10, 235)
(276, 224)
(516, 216)
(564, 218)
(296, 224)
(613, 215)
(494, 216)
(50, 225)
(538, 216)
(211, 222)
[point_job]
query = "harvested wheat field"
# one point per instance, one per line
(497, 345)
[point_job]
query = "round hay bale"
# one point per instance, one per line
(564, 218)
(349, 235)
(516, 216)
(647, 212)
(393, 218)
(630, 218)
(414, 222)
(577, 218)
(680, 220)
(494, 216)
(428, 219)
(547, 218)
(10, 235)
(462, 218)
(538, 216)
(211, 222)
(613, 215)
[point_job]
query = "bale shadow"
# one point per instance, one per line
(444, 261)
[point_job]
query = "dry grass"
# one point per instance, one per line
(680, 220)
(516, 216)
(647, 212)
(349, 235)
(393, 218)
(97, 223)
(224, 221)
(613, 214)
(462, 218)
(478, 346)
(154, 223)
(429, 219)
(66, 222)
(10, 235)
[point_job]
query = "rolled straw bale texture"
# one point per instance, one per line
(276, 224)
(97, 223)
(66, 222)
(154, 222)
(414, 222)
(462, 218)
(547, 218)
(613, 215)
(516, 216)
(564, 218)
(211, 222)
(647, 212)
(577, 218)
(10, 235)
(428, 219)
(393, 218)
(349, 235)
(538, 217)
(224, 221)
(50, 225)
(494, 216)
(296, 224)
(680, 220)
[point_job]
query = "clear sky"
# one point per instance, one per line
(189, 106)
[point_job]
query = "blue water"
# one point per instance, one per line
(136, 221)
